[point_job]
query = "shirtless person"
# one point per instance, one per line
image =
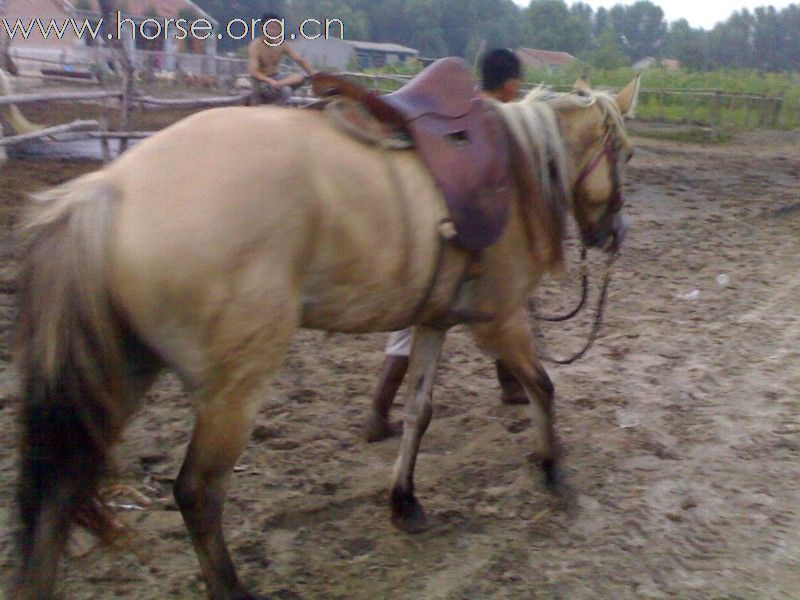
(264, 57)
(501, 79)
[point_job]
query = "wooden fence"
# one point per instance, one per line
(696, 107)
(713, 108)
(91, 61)
(704, 108)
(95, 129)
(98, 130)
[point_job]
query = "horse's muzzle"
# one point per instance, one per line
(619, 232)
(610, 236)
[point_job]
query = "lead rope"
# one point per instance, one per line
(584, 296)
(601, 302)
(596, 326)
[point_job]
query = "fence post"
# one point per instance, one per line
(748, 105)
(3, 154)
(776, 114)
(693, 104)
(716, 110)
(104, 142)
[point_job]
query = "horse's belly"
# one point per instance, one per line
(379, 280)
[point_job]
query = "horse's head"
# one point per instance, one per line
(568, 152)
(595, 138)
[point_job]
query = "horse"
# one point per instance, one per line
(204, 248)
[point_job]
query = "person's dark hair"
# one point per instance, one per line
(498, 66)
(270, 16)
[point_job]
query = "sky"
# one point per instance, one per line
(702, 13)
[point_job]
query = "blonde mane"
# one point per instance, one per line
(584, 99)
(542, 167)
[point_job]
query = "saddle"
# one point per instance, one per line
(458, 137)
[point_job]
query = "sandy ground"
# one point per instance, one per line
(682, 429)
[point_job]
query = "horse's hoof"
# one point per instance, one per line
(553, 477)
(407, 513)
(552, 474)
(379, 430)
(557, 484)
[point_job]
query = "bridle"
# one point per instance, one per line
(608, 150)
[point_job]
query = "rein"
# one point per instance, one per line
(598, 319)
(607, 151)
(584, 296)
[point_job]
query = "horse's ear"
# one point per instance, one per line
(628, 98)
(582, 85)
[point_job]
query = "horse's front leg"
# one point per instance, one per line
(407, 513)
(511, 342)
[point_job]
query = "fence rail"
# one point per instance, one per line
(58, 97)
(98, 130)
(94, 60)
(706, 108)
(712, 108)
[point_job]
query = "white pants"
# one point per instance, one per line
(399, 343)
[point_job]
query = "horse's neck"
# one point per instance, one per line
(517, 259)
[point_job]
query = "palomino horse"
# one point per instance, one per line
(205, 247)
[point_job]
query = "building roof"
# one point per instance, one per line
(382, 47)
(162, 8)
(548, 57)
(27, 7)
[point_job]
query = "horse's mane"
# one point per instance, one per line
(541, 167)
(540, 160)
(584, 99)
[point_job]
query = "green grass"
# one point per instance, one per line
(733, 113)
(729, 113)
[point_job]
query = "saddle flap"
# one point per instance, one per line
(468, 158)
(457, 135)
(445, 88)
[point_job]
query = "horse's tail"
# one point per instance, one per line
(75, 383)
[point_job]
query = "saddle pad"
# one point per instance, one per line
(354, 119)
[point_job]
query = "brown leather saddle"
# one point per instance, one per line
(458, 136)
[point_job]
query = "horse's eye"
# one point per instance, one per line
(629, 156)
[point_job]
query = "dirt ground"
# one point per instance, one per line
(681, 428)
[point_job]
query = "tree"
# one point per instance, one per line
(640, 28)
(356, 21)
(123, 66)
(602, 21)
(767, 39)
(549, 25)
(608, 55)
(687, 45)
(730, 44)
(789, 19)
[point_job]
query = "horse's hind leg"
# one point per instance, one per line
(220, 435)
(511, 342)
(226, 410)
(407, 513)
